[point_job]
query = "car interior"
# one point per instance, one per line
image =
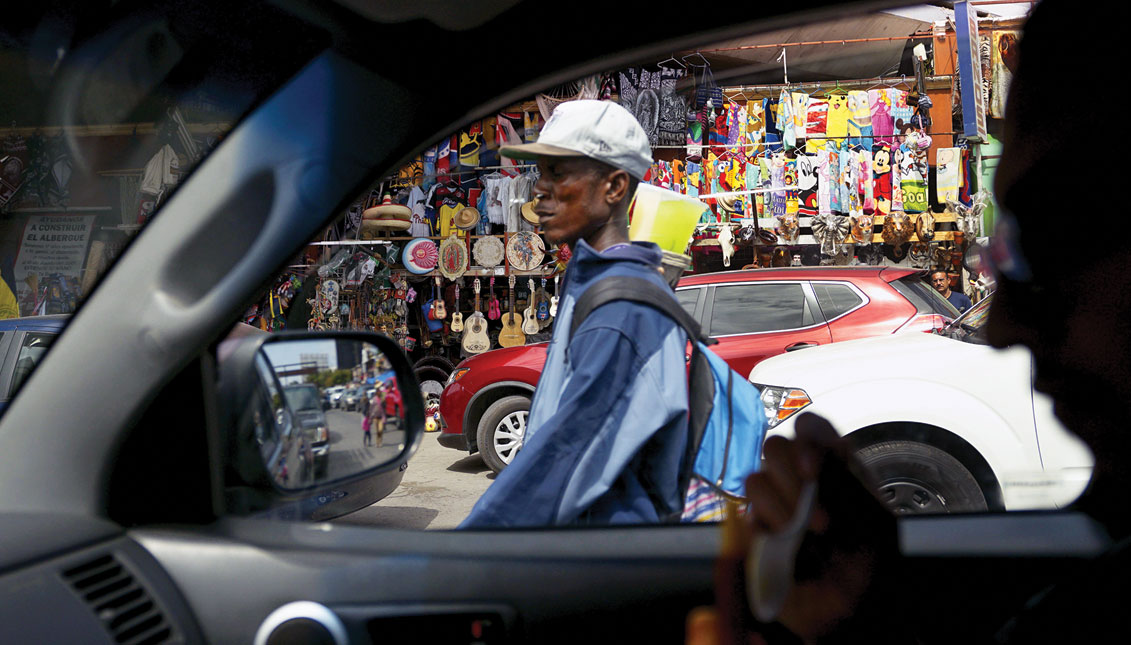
(125, 514)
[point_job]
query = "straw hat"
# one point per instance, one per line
(388, 215)
(528, 213)
(467, 218)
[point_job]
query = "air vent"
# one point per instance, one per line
(120, 601)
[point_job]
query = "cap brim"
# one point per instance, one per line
(532, 151)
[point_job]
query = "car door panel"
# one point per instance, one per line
(726, 314)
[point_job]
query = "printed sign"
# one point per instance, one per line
(49, 264)
(970, 72)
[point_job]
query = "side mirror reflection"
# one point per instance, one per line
(304, 437)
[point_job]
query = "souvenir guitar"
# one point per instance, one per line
(493, 312)
(438, 310)
(543, 304)
(554, 300)
(475, 339)
(530, 324)
(457, 316)
(511, 334)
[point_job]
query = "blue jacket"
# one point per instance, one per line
(608, 423)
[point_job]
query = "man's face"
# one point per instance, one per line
(573, 204)
(940, 282)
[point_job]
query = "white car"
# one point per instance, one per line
(944, 422)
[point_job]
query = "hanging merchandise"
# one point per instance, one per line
(420, 256)
(799, 110)
(488, 251)
(755, 129)
(466, 218)
(453, 257)
(900, 110)
(816, 122)
(912, 173)
(1004, 57)
(881, 178)
(787, 123)
(419, 226)
(475, 339)
(883, 125)
(525, 251)
(859, 119)
(807, 184)
(836, 123)
(897, 231)
(528, 212)
(925, 226)
(457, 315)
(387, 216)
(831, 232)
(651, 97)
(493, 307)
(947, 173)
(470, 141)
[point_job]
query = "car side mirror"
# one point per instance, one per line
(282, 451)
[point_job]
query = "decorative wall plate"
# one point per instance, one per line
(488, 251)
(525, 251)
(453, 257)
(420, 255)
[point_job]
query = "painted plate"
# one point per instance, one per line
(453, 257)
(420, 255)
(488, 251)
(525, 251)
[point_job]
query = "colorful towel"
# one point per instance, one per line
(755, 128)
(900, 110)
(836, 125)
(881, 178)
(824, 204)
(816, 119)
(859, 119)
(807, 184)
(883, 126)
(947, 173)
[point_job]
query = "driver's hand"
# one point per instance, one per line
(848, 549)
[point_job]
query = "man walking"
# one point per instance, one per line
(608, 423)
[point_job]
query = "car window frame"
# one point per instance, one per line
(700, 297)
(810, 308)
(855, 289)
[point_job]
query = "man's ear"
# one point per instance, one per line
(617, 189)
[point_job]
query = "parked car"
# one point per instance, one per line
(351, 400)
(23, 343)
(753, 314)
(334, 395)
(306, 403)
(944, 422)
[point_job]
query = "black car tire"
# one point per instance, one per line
(514, 408)
(916, 478)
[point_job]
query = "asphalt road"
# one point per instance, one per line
(348, 453)
(439, 488)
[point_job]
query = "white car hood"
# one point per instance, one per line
(820, 368)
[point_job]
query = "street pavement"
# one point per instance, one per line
(439, 487)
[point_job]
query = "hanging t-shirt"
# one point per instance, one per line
(447, 201)
(429, 159)
(419, 226)
(947, 173)
(879, 106)
(816, 120)
(496, 189)
(836, 125)
(470, 141)
(509, 128)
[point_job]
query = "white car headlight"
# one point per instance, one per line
(782, 403)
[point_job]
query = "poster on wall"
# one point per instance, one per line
(49, 263)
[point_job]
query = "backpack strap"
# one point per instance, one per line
(701, 383)
(638, 290)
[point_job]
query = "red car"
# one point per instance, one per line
(754, 314)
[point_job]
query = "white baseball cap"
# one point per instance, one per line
(600, 130)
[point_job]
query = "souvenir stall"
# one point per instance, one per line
(445, 255)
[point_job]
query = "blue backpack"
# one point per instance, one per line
(726, 421)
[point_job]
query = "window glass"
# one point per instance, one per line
(688, 299)
(33, 348)
(835, 299)
(925, 299)
(748, 308)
